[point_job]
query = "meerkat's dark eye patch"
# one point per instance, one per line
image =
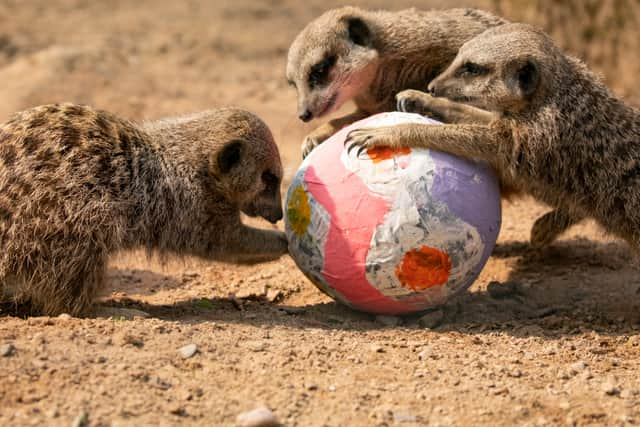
(319, 73)
(470, 69)
(358, 31)
(271, 182)
(528, 77)
(229, 156)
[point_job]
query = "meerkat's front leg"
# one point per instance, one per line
(442, 109)
(250, 245)
(322, 133)
(473, 142)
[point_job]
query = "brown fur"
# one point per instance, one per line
(77, 184)
(376, 54)
(561, 135)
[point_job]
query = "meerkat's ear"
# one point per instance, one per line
(358, 30)
(526, 76)
(229, 156)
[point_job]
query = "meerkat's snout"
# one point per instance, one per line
(274, 215)
(431, 89)
(305, 115)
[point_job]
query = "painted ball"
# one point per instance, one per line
(391, 231)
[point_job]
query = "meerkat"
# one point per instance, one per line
(368, 56)
(561, 135)
(77, 184)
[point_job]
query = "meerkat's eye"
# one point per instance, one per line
(320, 72)
(469, 69)
(270, 181)
(291, 83)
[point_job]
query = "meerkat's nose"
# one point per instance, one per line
(432, 88)
(305, 116)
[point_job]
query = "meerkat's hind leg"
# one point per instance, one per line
(69, 279)
(441, 109)
(549, 226)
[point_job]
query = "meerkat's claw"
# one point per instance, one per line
(367, 138)
(309, 144)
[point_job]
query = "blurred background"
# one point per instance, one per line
(145, 59)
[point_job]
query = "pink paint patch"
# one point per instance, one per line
(355, 215)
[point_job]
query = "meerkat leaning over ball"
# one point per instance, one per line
(368, 56)
(561, 135)
(77, 184)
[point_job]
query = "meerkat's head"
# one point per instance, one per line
(244, 165)
(332, 60)
(506, 69)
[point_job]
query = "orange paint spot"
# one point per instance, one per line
(378, 154)
(423, 268)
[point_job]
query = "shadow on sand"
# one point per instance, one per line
(571, 287)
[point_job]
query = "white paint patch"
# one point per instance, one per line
(312, 243)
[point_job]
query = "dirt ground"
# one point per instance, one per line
(553, 341)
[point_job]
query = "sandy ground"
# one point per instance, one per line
(552, 341)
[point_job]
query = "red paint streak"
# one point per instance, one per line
(378, 154)
(424, 268)
(355, 215)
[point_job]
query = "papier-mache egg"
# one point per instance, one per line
(391, 231)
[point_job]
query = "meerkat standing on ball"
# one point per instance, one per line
(369, 56)
(561, 135)
(77, 184)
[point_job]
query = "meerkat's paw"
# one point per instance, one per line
(317, 137)
(413, 101)
(367, 138)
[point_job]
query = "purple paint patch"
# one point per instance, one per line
(470, 191)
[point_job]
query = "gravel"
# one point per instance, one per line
(188, 351)
(258, 417)
(7, 350)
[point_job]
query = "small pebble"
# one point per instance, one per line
(251, 293)
(6, 350)
(610, 387)
(64, 316)
(259, 417)
(256, 346)
(578, 367)
(188, 351)
(388, 320)
(425, 354)
(377, 348)
(401, 417)
(273, 295)
(82, 420)
(516, 373)
(433, 319)
(129, 339)
(565, 405)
